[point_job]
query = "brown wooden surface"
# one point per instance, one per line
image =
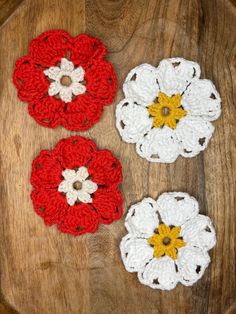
(47, 272)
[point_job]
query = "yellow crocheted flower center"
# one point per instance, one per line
(166, 241)
(166, 111)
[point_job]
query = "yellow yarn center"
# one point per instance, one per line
(166, 241)
(166, 111)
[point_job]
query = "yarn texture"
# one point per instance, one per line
(167, 110)
(167, 241)
(65, 80)
(75, 186)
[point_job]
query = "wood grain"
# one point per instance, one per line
(44, 271)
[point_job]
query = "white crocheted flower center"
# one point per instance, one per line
(77, 186)
(66, 80)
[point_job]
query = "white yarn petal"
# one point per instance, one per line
(159, 274)
(63, 187)
(202, 99)
(66, 94)
(54, 88)
(82, 174)
(193, 134)
(175, 74)
(159, 145)
(135, 252)
(89, 186)
(176, 208)
(69, 174)
(141, 84)
(132, 120)
(142, 219)
(78, 74)
(84, 197)
(66, 65)
(199, 232)
(77, 88)
(53, 73)
(191, 264)
(71, 197)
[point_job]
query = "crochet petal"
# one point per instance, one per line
(50, 205)
(71, 197)
(191, 264)
(202, 99)
(47, 111)
(89, 186)
(77, 88)
(141, 84)
(105, 169)
(78, 74)
(81, 218)
(175, 74)
(74, 152)
(159, 145)
(65, 94)
(30, 80)
(82, 174)
(135, 253)
(101, 81)
(48, 49)
(142, 218)
(82, 113)
(132, 120)
(84, 197)
(54, 88)
(108, 204)
(199, 232)
(86, 49)
(193, 134)
(176, 208)
(159, 274)
(46, 170)
(66, 65)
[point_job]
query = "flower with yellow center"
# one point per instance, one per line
(166, 241)
(166, 111)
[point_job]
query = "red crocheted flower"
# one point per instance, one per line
(65, 80)
(76, 186)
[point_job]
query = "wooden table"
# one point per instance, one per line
(46, 272)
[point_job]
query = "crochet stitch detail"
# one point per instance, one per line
(75, 186)
(167, 241)
(167, 110)
(65, 80)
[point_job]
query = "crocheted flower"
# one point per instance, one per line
(167, 241)
(75, 186)
(65, 80)
(167, 110)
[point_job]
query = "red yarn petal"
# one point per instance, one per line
(48, 49)
(82, 113)
(108, 203)
(101, 81)
(50, 205)
(75, 151)
(105, 169)
(47, 111)
(85, 48)
(46, 170)
(30, 80)
(81, 218)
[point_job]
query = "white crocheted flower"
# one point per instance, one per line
(167, 241)
(76, 187)
(65, 80)
(167, 110)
